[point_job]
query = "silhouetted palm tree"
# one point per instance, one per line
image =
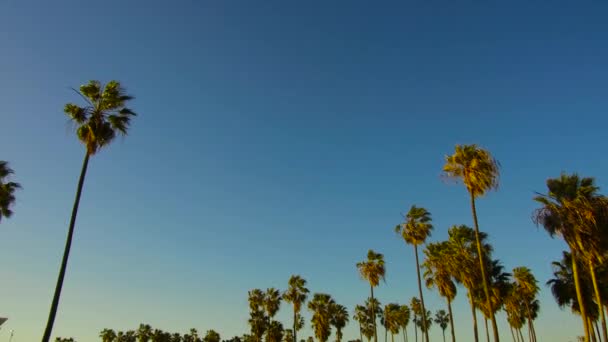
(107, 335)
(526, 287)
(442, 319)
(404, 320)
(7, 190)
(339, 319)
(479, 172)
(415, 230)
(373, 270)
(104, 116)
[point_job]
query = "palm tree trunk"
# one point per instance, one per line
(598, 299)
(66, 253)
(579, 295)
(521, 336)
(487, 330)
(590, 324)
(405, 333)
(512, 334)
(451, 321)
(443, 332)
(392, 337)
(486, 287)
(295, 319)
(474, 316)
(423, 328)
(360, 333)
(416, 331)
(373, 315)
(385, 334)
(597, 330)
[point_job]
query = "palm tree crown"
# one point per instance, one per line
(373, 269)
(417, 226)
(7, 190)
(475, 166)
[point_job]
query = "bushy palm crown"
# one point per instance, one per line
(442, 319)
(417, 226)
(321, 306)
(373, 269)
(391, 317)
(525, 282)
(7, 190)
(104, 115)
(404, 316)
(463, 251)
(475, 166)
(438, 269)
(297, 292)
(272, 301)
(339, 319)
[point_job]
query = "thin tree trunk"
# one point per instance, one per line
(451, 321)
(392, 337)
(598, 299)
(66, 253)
(474, 317)
(360, 333)
(590, 324)
(443, 332)
(579, 296)
(405, 333)
(487, 330)
(521, 336)
(295, 319)
(486, 286)
(416, 331)
(423, 328)
(597, 330)
(512, 334)
(373, 316)
(385, 333)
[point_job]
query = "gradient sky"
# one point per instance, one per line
(283, 137)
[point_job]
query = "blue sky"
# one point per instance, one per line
(282, 137)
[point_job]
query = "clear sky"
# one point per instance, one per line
(278, 138)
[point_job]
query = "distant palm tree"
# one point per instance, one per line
(7, 190)
(321, 306)
(272, 302)
(144, 332)
(415, 230)
(391, 319)
(526, 286)
(479, 172)
(275, 332)
(438, 270)
(499, 281)
(404, 320)
(373, 270)
(417, 313)
(463, 252)
(360, 316)
(442, 319)
(339, 319)
(104, 116)
(296, 294)
(258, 321)
(107, 335)
(214, 336)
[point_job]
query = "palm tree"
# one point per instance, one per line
(321, 306)
(390, 319)
(425, 326)
(463, 252)
(479, 172)
(360, 316)
(499, 288)
(416, 310)
(373, 271)
(559, 214)
(104, 116)
(442, 319)
(404, 320)
(296, 294)
(7, 190)
(415, 230)
(526, 287)
(339, 319)
(144, 332)
(107, 335)
(274, 332)
(257, 320)
(438, 270)
(272, 302)
(214, 336)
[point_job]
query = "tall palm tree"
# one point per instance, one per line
(272, 302)
(559, 215)
(321, 306)
(103, 117)
(499, 287)
(296, 294)
(391, 319)
(438, 270)
(144, 332)
(526, 286)
(442, 319)
(107, 335)
(7, 190)
(479, 172)
(373, 270)
(415, 230)
(339, 319)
